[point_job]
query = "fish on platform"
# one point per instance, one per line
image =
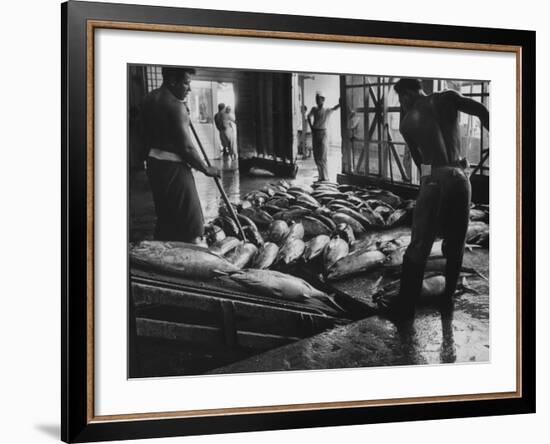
(355, 263)
(324, 217)
(291, 251)
(242, 255)
(225, 245)
(477, 214)
(246, 221)
(336, 249)
(305, 198)
(357, 228)
(374, 218)
(399, 217)
(271, 209)
(291, 214)
(315, 247)
(280, 202)
(277, 231)
(277, 285)
(345, 232)
(365, 223)
(314, 227)
(254, 195)
(253, 235)
(266, 256)
(433, 289)
(301, 188)
(228, 225)
(258, 216)
(478, 233)
(295, 231)
(186, 260)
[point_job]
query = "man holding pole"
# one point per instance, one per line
(171, 155)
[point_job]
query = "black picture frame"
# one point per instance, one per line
(77, 424)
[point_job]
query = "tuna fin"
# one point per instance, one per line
(474, 271)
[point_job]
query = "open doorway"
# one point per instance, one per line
(203, 102)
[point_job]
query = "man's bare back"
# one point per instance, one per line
(430, 126)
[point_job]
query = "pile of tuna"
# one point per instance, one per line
(336, 230)
(342, 229)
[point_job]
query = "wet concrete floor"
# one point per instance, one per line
(374, 341)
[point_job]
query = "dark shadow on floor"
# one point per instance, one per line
(51, 430)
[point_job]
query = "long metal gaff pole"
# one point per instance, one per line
(218, 183)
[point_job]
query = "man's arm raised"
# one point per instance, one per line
(470, 106)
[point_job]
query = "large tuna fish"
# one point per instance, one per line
(278, 285)
(280, 202)
(357, 228)
(186, 260)
(228, 225)
(477, 214)
(301, 188)
(291, 214)
(345, 232)
(266, 256)
(253, 235)
(478, 233)
(433, 288)
(315, 247)
(398, 217)
(295, 231)
(278, 231)
(335, 250)
(291, 251)
(224, 246)
(314, 227)
(242, 255)
(271, 209)
(254, 195)
(374, 218)
(365, 223)
(258, 216)
(325, 219)
(356, 262)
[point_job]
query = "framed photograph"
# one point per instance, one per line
(275, 221)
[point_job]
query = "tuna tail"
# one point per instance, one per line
(331, 300)
(466, 288)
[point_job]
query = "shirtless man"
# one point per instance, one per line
(224, 120)
(429, 125)
(319, 137)
(172, 154)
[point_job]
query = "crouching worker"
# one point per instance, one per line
(171, 155)
(429, 125)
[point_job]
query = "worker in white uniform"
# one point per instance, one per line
(318, 119)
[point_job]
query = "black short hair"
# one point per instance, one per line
(407, 84)
(221, 106)
(176, 73)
